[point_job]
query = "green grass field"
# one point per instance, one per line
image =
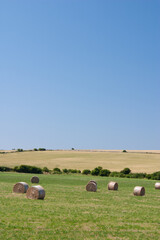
(70, 212)
(114, 161)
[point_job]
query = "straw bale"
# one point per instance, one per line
(91, 186)
(93, 181)
(157, 185)
(20, 187)
(35, 192)
(139, 191)
(35, 179)
(112, 186)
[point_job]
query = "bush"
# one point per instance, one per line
(28, 169)
(104, 172)
(142, 175)
(86, 171)
(122, 175)
(16, 168)
(132, 175)
(35, 149)
(148, 176)
(114, 174)
(155, 176)
(73, 170)
(137, 175)
(57, 171)
(45, 169)
(95, 172)
(5, 169)
(128, 175)
(125, 171)
(42, 149)
(19, 150)
(100, 168)
(65, 170)
(124, 151)
(118, 174)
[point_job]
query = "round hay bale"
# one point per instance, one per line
(157, 185)
(139, 191)
(93, 181)
(35, 179)
(20, 187)
(91, 187)
(35, 192)
(113, 186)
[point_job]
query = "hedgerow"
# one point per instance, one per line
(98, 171)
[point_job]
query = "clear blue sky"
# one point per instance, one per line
(80, 73)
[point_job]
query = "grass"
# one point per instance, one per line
(114, 161)
(70, 212)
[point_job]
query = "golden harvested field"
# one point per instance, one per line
(138, 161)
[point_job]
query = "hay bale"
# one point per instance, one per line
(157, 185)
(139, 191)
(91, 187)
(35, 192)
(93, 181)
(35, 179)
(113, 186)
(20, 187)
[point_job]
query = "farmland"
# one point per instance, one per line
(137, 161)
(70, 212)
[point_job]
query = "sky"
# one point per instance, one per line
(81, 74)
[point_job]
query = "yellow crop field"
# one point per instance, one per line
(137, 161)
